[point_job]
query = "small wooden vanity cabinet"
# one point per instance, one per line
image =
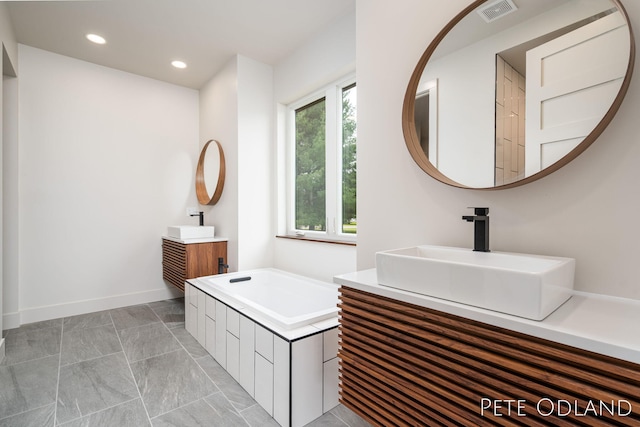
(403, 364)
(182, 261)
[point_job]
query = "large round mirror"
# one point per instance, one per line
(210, 173)
(512, 90)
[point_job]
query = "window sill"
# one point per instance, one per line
(315, 239)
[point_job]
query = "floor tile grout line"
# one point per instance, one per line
(28, 327)
(220, 390)
(181, 346)
(55, 408)
(90, 359)
(30, 360)
(239, 412)
(27, 411)
(340, 418)
(155, 355)
(210, 405)
(159, 320)
(88, 414)
(193, 358)
(4, 362)
(187, 404)
(133, 377)
(196, 362)
(86, 328)
(138, 326)
(144, 358)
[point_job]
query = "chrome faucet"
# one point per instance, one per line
(201, 215)
(480, 229)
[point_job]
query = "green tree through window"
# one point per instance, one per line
(324, 151)
(310, 167)
(349, 221)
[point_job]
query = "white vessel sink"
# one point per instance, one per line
(529, 286)
(190, 231)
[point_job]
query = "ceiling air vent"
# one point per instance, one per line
(496, 10)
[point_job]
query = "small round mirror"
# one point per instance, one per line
(210, 173)
(512, 90)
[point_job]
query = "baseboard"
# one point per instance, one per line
(11, 320)
(37, 314)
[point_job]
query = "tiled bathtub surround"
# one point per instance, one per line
(134, 366)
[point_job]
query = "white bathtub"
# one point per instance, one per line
(275, 333)
(284, 299)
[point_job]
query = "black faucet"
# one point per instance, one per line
(201, 215)
(480, 229)
(221, 265)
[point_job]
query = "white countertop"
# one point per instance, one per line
(199, 240)
(598, 323)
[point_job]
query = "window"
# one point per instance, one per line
(322, 164)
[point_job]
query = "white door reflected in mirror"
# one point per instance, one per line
(485, 132)
(566, 94)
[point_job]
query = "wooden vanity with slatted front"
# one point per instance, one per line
(182, 260)
(408, 365)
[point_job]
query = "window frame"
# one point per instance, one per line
(332, 93)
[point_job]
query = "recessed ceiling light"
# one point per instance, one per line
(178, 64)
(96, 38)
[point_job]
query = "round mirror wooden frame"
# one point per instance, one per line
(204, 197)
(408, 110)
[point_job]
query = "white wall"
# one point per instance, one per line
(107, 161)
(585, 210)
(236, 108)
(466, 154)
(7, 37)
(326, 58)
(318, 260)
(9, 300)
(219, 120)
(9, 48)
(256, 204)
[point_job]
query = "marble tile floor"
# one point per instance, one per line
(134, 366)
